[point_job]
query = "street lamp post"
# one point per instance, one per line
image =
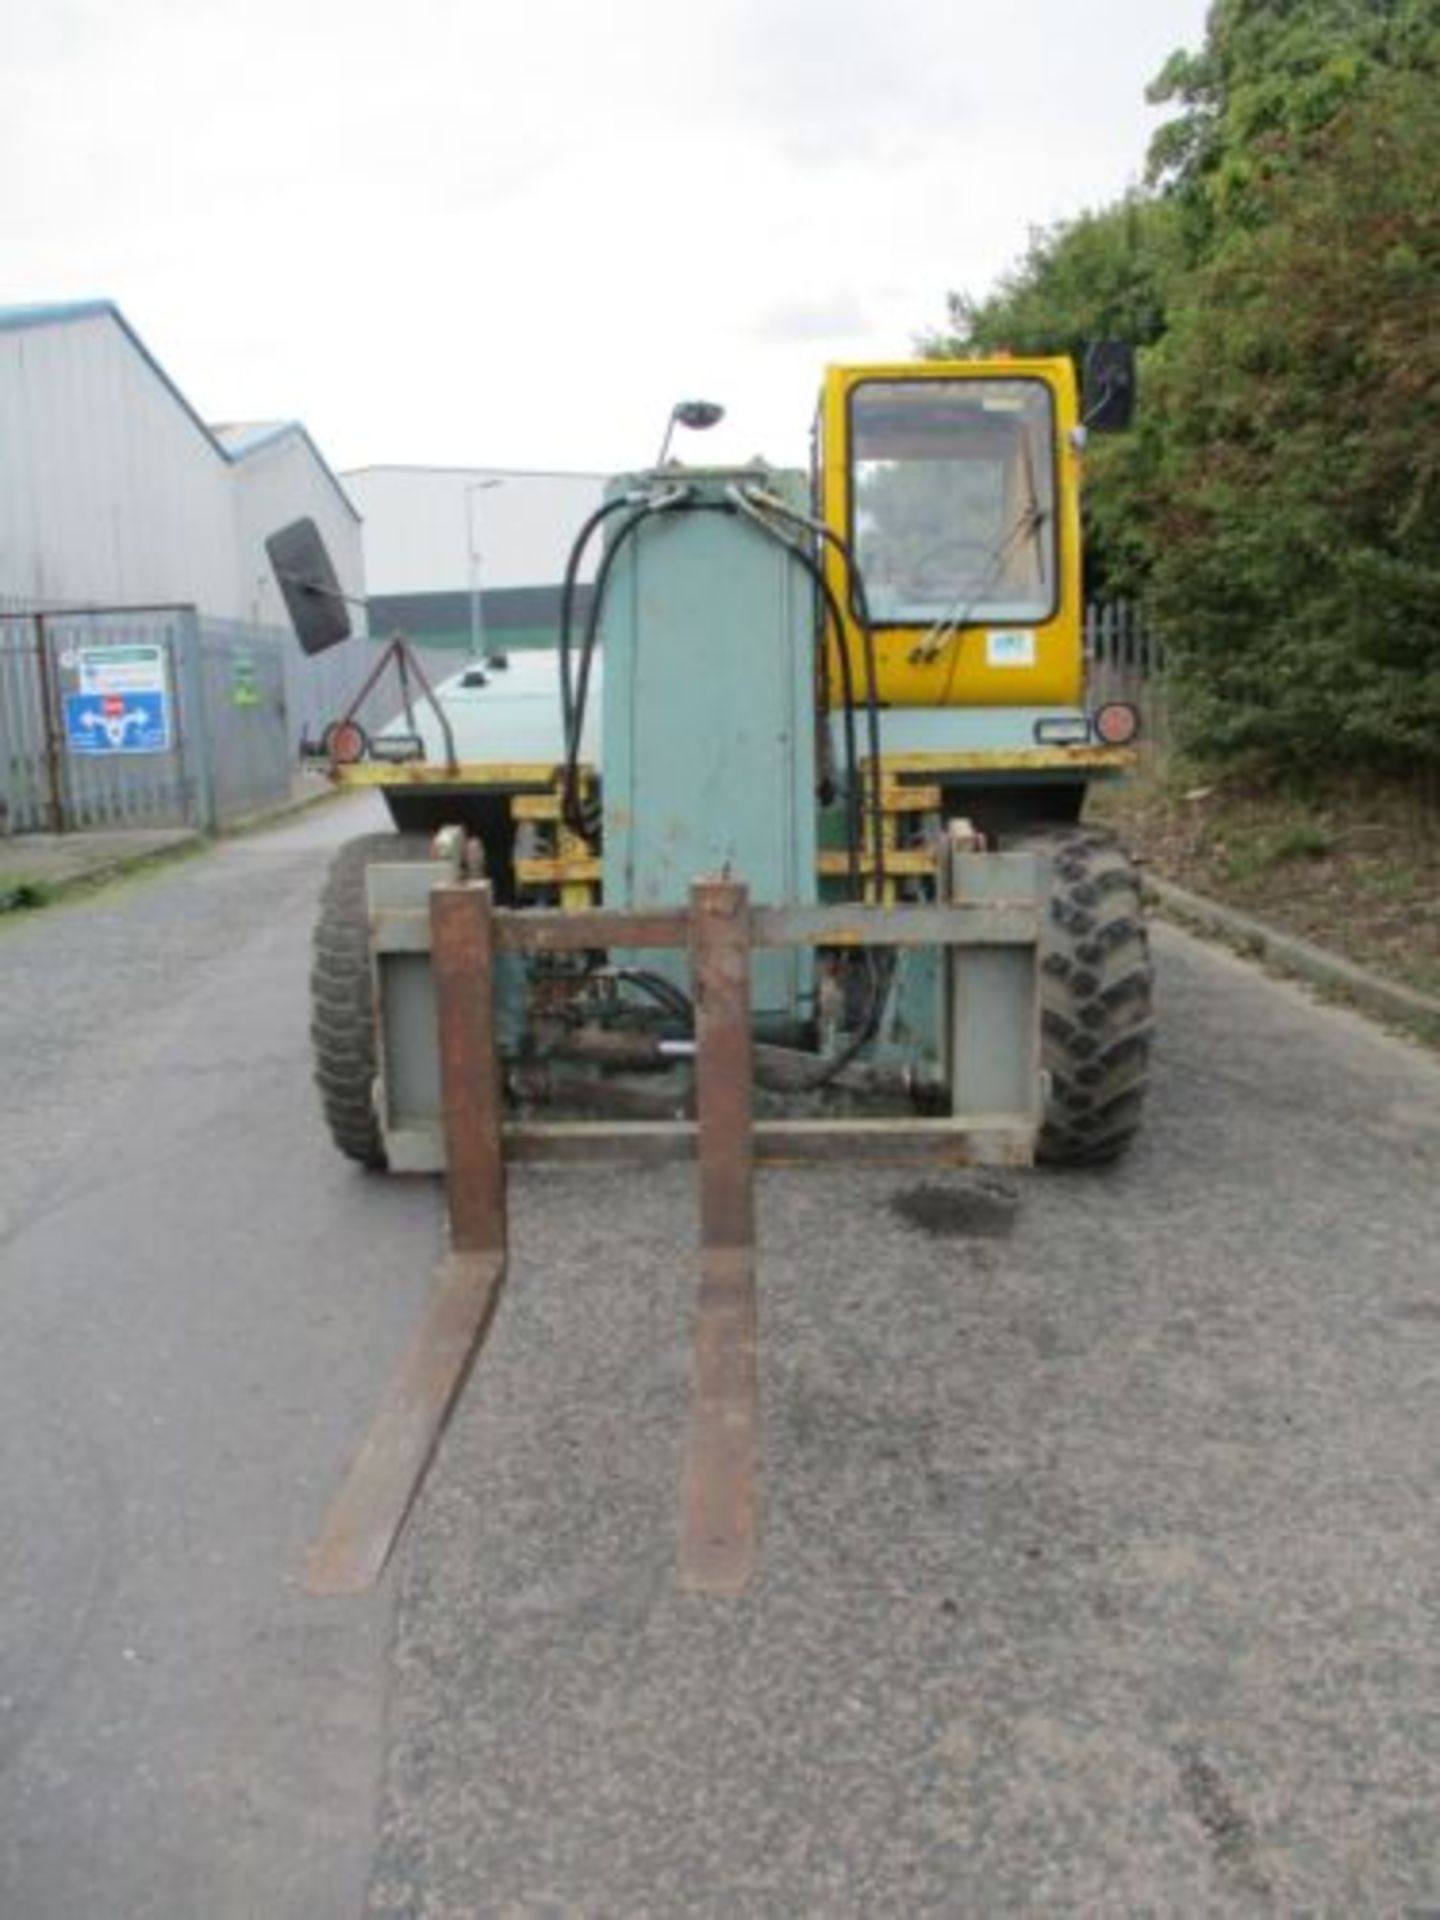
(477, 613)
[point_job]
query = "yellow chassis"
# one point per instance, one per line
(541, 776)
(909, 782)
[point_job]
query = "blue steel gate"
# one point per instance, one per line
(63, 765)
(128, 717)
(29, 771)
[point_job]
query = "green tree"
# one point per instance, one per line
(1277, 503)
(1295, 529)
(1105, 275)
(1270, 75)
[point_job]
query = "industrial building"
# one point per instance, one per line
(115, 492)
(147, 674)
(132, 542)
(470, 557)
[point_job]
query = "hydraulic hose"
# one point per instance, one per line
(575, 694)
(756, 505)
(567, 598)
(772, 504)
(748, 506)
(674, 1000)
(579, 690)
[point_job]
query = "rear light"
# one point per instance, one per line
(1116, 724)
(345, 743)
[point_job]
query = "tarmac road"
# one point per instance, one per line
(196, 1300)
(1099, 1540)
(1099, 1566)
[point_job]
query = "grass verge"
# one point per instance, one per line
(1355, 870)
(18, 895)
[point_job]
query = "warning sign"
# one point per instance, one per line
(119, 701)
(123, 669)
(117, 722)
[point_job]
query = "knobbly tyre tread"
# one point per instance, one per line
(1096, 992)
(342, 999)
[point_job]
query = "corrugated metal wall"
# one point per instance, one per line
(111, 492)
(114, 492)
(250, 755)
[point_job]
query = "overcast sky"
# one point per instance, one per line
(458, 232)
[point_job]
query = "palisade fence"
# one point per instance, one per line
(1125, 660)
(157, 716)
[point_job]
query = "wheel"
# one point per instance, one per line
(342, 998)
(1096, 989)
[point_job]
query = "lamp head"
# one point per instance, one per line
(695, 414)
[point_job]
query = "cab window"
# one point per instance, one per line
(952, 498)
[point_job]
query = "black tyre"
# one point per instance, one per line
(1096, 997)
(342, 998)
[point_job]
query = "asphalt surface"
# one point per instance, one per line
(196, 1302)
(57, 861)
(1099, 1566)
(1099, 1547)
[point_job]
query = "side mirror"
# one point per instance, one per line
(1107, 386)
(317, 608)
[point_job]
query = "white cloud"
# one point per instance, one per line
(837, 315)
(497, 234)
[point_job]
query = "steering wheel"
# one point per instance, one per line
(953, 564)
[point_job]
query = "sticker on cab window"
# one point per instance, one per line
(1009, 649)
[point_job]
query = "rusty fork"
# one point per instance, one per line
(718, 1516)
(371, 1508)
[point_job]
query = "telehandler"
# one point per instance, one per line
(781, 856)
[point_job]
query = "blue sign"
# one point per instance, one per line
(117, 722)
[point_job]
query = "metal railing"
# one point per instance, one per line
(1125, 660)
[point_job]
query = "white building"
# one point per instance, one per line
(114, 491)
(471, 557)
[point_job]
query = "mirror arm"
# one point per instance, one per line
(319, 589)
